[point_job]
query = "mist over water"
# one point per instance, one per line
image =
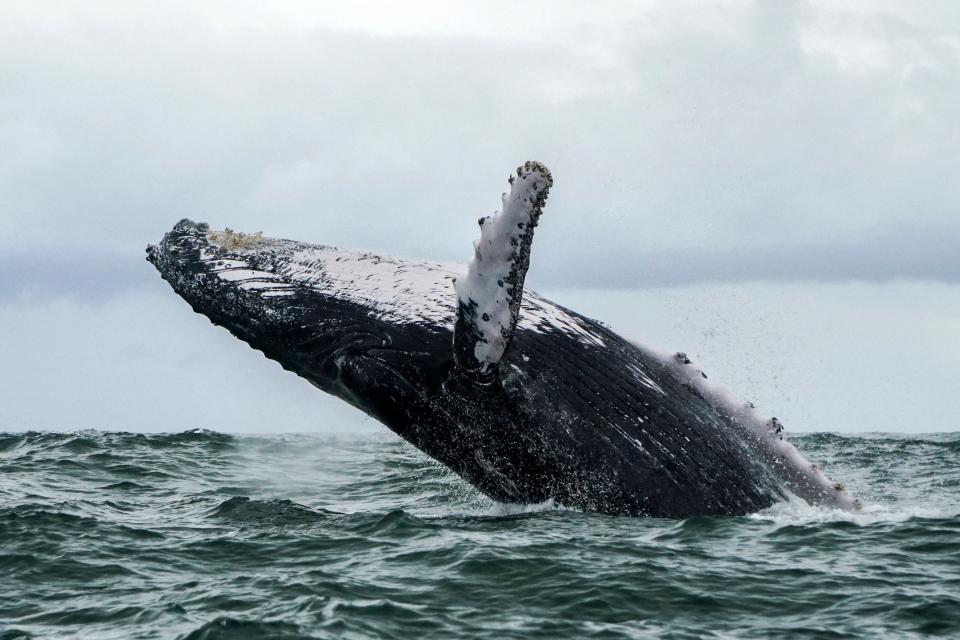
(206, 535)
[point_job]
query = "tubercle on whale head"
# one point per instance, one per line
(157, 253)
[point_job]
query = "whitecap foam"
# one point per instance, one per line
(796, 511)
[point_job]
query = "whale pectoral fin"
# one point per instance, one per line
(489, 295)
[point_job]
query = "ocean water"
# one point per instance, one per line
(206, 535)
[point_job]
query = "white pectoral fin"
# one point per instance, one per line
(489, 294)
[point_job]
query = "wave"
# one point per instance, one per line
(204, 535)
(90, 440)
(949, 440)
(226, 628)
(243, 510)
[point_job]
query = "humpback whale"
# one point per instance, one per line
(526, 400)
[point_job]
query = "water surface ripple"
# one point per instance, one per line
(202, 535)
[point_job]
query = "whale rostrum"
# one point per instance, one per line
(526, 400)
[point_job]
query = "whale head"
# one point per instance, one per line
(373, 330)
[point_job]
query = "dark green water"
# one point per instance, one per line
(205, 535)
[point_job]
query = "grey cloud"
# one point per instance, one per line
(86, 276)
(909, 255)
(930, 254)
(707, 144)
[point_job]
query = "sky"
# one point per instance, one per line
(770, 186)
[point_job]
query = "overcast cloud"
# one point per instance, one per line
(703, 152)
(818, 132)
